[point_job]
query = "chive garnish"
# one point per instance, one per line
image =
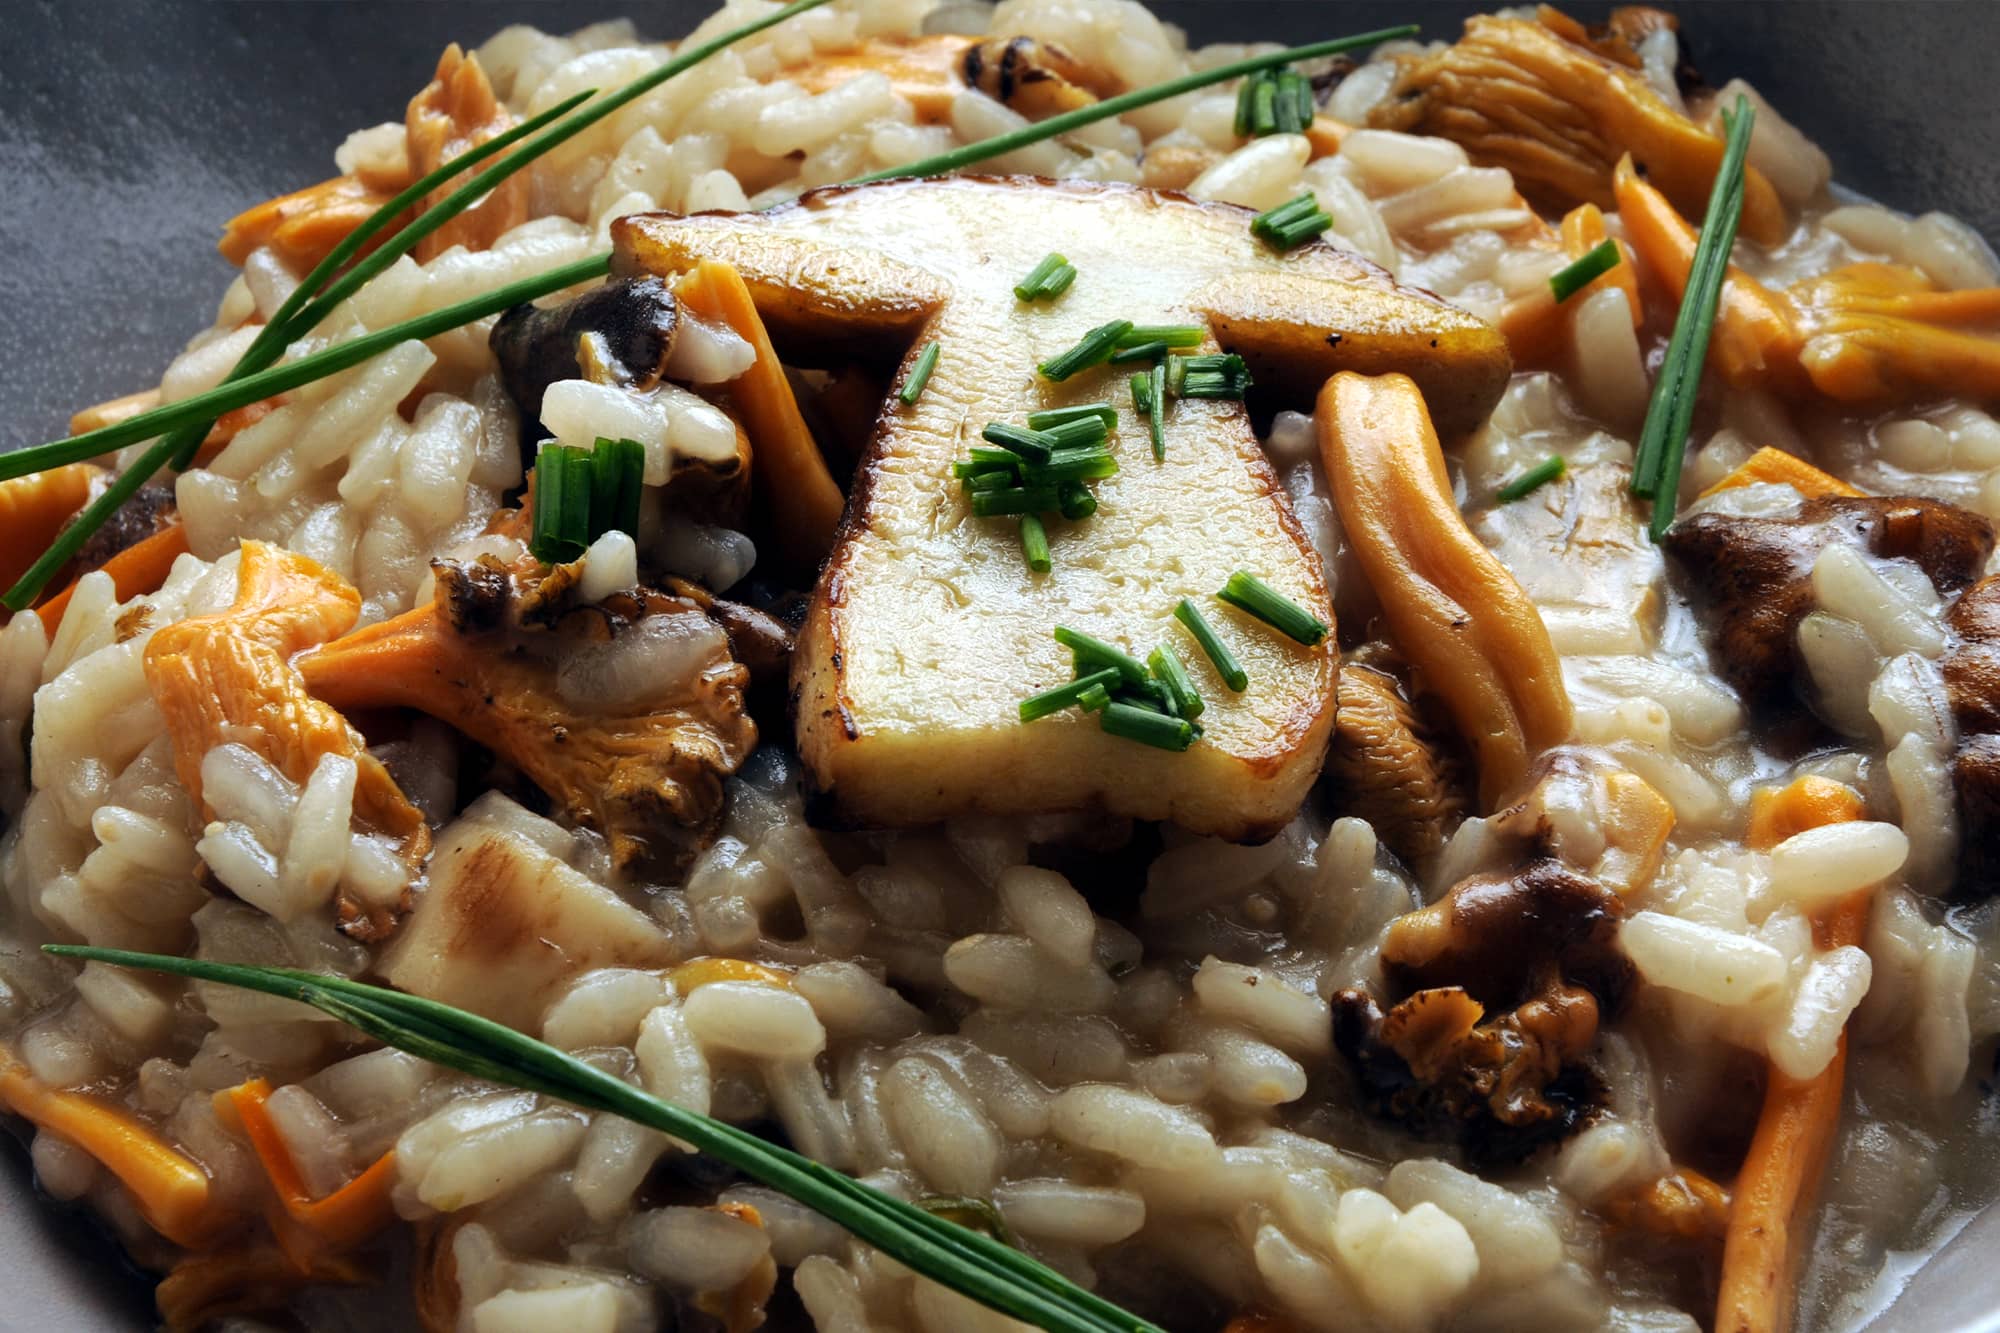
(1049, 278)
(205, 409)
(1032, 445)
(1232, 672)
(1015, 500)
(920, 374)
(1075, 500)
(1094, 698)
(1173, 335)
(1139, 352)
(1656, 472)
(965, 469)
(1091, 349)
(1035, 543)
(1142, 393)
(1042, 705)
(961, 1258)
(1174, 676)
(1056, 416)
(984, 457)
(618, 470)
(1600, 260)
(1541, 474)
(991, 479)
(1216, 375)
(1134, 723)
(1097, 653)
(1264, 107)
(1292, 223)
(1076, 432)
(1251, 595)
(1156, 410)
(1075, 465)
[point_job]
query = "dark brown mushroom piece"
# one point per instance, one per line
(1972, 684)
(1752, 575)
(1388, 765)
(150, 509)
(1498, 993)
(623, 329)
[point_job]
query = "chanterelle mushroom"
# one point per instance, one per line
(926, 626)
(628, 713)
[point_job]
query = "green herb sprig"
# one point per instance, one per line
(920, 374)
(1274, 102)
(1541, 474)
(962, 1258)
(581, 494)
(194, 416)
(1232, 672)
(1046, 280)
(1252, 596)
(1292, 223)
(1656, 470)
(1152, 702)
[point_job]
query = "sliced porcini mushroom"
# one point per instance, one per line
(230, 678)
(1388, 766)
(1471, 636)
(1520, 94)
(926, 627)
(455, 113)
(519, 666)
(1752, 574)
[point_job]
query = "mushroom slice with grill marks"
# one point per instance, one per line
(926, 625)
(1754, 572)
(628, 712)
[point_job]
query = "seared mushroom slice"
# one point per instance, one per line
(523, 670)
(1503, 985)
(1754, 573)
(926, 626)
(1520, 94)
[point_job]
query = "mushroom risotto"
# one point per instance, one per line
(1302, 697)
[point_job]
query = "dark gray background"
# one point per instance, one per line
(130, 130)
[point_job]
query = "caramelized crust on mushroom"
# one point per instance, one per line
(488, 657)
(1755, 573)
(1387, 767)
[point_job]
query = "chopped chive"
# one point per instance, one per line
(1156, 411)
(1154, 694)
(1092, 349)
(1232, 672)
(1176, 368)
(965, 469)
(1250, 594)
(991, 479)
(1077, 432)
(1174, 676)
(1586, 270)
(1056, 416)
(1035, 543)
(1264, 107)
(920, 374)
(1173, 335)
(1286, 110)
(560, 528)
(1656, 472)
(1150, 701)
(1043, 278)
(1076, 465)
(983, 457)
(1096, 653)
(1076, 499)
(1015, 500)
(1151, 351)
(1246, 100)
(1292, 223)
(1215, 375)
(1142, 393)
(1541, 474)
(1094, 698)
(1029, 444)
(617, 472)
(1308, 107)
(1148, 728)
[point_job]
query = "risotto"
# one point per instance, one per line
(1412, 894)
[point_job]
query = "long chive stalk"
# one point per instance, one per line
(204, 408)
(964, 1259)
(1656, 471)
(198, 413)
